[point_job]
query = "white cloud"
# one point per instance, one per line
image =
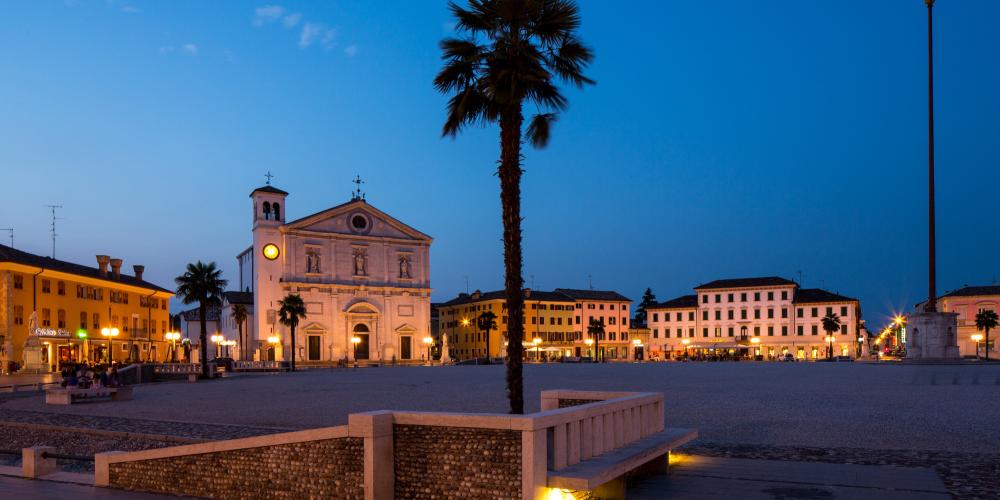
(291, 19)
(166, 49)
(190, 48)
(267, 14)
(314, 32)
(129, 9)
(351, 50)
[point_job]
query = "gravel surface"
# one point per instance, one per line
(823, 405)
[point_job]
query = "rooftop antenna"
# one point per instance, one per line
(268, 176)
(357, 195)
(53, 228)
(532, 281)
(10, 231)
(466, 284)
(590, 281)
(800, 277)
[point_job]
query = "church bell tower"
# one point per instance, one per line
(268, 260)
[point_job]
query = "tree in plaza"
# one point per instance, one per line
(201, 283)
(512, 53)
(648, 300)
(831, 325)
(239, 315)
(986, 320)
(291, 310)
(487, 321)
(596, 331)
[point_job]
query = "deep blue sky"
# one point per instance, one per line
(723, 139)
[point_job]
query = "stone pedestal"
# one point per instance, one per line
(932, 336)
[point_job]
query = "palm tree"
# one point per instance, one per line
(487, 321)
(201, 283)
(292, 309)
(239, 315)
(831, 325)
(596, 330)
(511, 53)
(986, 320)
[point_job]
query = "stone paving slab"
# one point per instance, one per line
(713, 477)
(34, 489)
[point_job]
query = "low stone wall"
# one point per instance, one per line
(456, 462)
(332, 468)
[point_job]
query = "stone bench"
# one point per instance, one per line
(605, 474)
(70, 395)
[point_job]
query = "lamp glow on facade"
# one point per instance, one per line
(273, 339)
(271, 251)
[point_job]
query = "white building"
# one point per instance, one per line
(768, 317)
(361, 273)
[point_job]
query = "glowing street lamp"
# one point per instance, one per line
(637, 345)
(830, 339)
(977, 338)
(109, 333)
(590, 344)
(217, 339)
(536, 341)
(173, 337)
(428, 341)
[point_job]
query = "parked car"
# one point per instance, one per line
(788, 357)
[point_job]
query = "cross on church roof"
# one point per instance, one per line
(357, 194)
(268, 176)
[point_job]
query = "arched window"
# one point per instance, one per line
(277, 211)
(361, 328)
(267, 210)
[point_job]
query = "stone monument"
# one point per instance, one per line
(445, 356)
(32, 352)
(932, 336)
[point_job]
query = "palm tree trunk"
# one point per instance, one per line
(987, 344)
(243, 345)
(510, 198)
(202, 312)
(293, 347)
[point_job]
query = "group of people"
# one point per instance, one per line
(86, 376)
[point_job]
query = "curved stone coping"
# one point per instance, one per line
(226, 445)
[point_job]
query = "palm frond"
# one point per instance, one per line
(540, 129)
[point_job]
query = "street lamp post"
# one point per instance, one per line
(686, 342)
(976, 337)
(590, 345)
(355, 340)
(428, 341)
(636, 344)
(756, 346)
(536, 341)
(273, 340)
(217, 339)
(173, 337)
(830, 339)
(109, 333)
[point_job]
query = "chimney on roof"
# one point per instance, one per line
(102, 264)
(477, 294)
(116, 268)
(527, 293)
(138, 271)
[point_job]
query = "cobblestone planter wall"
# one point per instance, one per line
(566, 403)
(331, 468)
(456, 462)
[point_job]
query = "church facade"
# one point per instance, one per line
(364, 277)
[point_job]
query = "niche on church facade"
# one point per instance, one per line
(314, 260)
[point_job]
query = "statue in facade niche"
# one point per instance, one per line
(313, 262)
(360, 262)
(404, 266)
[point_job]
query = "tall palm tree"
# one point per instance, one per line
(831, 325)
(487, 321)
(596, 331)
(986, 320)
(201, 283)
(291, 310)
(511, 53)
(239, 315)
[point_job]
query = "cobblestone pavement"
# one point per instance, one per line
(967, 475)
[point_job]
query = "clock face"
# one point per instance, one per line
(271, 251)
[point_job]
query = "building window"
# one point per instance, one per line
(61, 288)
(784, 331)
(704, 332)
(704, 315)
(756, 331)
(743, 297)
(691, 316)
(784, 295)
(784, 312)
(770, 313)
(843, 310)
(18, 282)
(718, 315)
(729, 297)
(718, 332)
(770, 331)
(829, 310)
(743, 314)
(770, 295)
(718, 298)
(83, 321)
(18, 315)
(730, 331)
(815, 330)
(96, 321)
(799, 330)
(756, 296)
(704, 299)
(656, 333)
(656, 317)
(730, 314)
(815, 312)
(46, 317)
(61, 318)
(46, 286)
(799, 312)
(756, 314)
(666, 333)
(843, 329)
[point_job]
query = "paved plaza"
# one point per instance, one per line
(854, 405)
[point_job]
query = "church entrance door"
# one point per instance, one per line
(406, 347)
(314, 347)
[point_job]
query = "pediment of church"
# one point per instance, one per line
(357, 218)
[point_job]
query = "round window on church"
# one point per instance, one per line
(359, 222)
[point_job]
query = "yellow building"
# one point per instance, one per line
(63, 307)
(548, 317)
